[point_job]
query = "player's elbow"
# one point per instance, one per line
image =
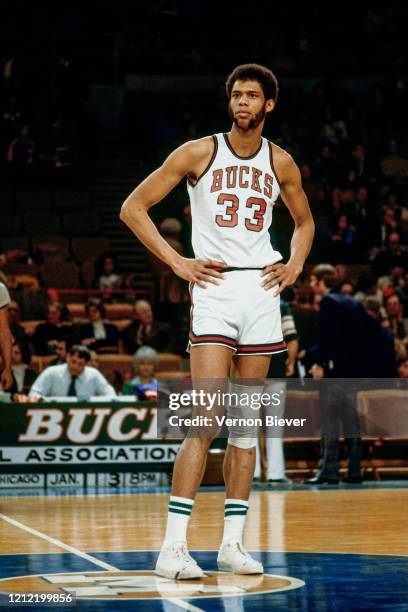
(124, 211)
(131, 209)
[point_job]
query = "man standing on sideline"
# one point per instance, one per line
(5, 340)
(233, 180)
(341, 353)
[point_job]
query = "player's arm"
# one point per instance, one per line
(5, 350)
(296, 201)
(184, 161)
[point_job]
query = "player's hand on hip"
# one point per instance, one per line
(280, 274)
(199, 271)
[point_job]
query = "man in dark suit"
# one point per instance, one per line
(144, 330)
(341, 353)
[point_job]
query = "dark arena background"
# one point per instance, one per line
(93, 97)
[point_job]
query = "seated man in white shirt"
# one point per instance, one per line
(72, 379)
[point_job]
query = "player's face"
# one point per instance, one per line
(247, 106)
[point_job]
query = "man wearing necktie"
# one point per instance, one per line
(72, 389)
(75, 378)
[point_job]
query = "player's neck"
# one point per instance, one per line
(245, 142)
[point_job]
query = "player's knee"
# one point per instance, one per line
(245, 443)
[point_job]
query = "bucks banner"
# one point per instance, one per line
(62, 441)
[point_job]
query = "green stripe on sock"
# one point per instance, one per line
(235, 512)
(181, 505)
(179, 511)
(228, 506)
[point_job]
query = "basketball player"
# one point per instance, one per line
(233, 181)
(5, 340)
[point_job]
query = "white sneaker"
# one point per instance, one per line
(234, 558)
(175, 562)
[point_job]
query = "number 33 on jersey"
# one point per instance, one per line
(231, 206)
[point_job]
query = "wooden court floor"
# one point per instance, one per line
(319, 547)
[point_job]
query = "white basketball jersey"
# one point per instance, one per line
(231, 207)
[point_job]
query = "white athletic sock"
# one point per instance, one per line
(235, 512)
(178, 515)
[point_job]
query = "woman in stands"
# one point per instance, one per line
(57, 326)
(144, 366)
(98, 335)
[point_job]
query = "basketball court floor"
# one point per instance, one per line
(324, 549)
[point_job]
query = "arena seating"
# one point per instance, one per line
(88, 248)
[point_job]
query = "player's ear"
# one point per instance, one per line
(269, 105)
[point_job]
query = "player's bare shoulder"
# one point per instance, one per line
(200, 153)
(284, 164)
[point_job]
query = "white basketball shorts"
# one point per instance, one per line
(237, 313)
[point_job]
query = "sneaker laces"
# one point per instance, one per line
(183, 554)
(242, 550)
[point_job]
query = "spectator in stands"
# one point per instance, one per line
(129, 287)
(392, 164)
(57, 326)
(144, 364)
(144, 330)
(341, 273)
(73, 379)
(17, 330)
(94, 362)
(23, 375)
(395, 278)
(61, 350)
(398, 324)
(346, 287)
(403, 293)
(171, 230)
(382, 258)
(341, 240)
(403, 367)
(106, 273)
(359, 169)
(98, 335)
(6, 378)
(367, 287)
(21, 149)
(314, 190)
